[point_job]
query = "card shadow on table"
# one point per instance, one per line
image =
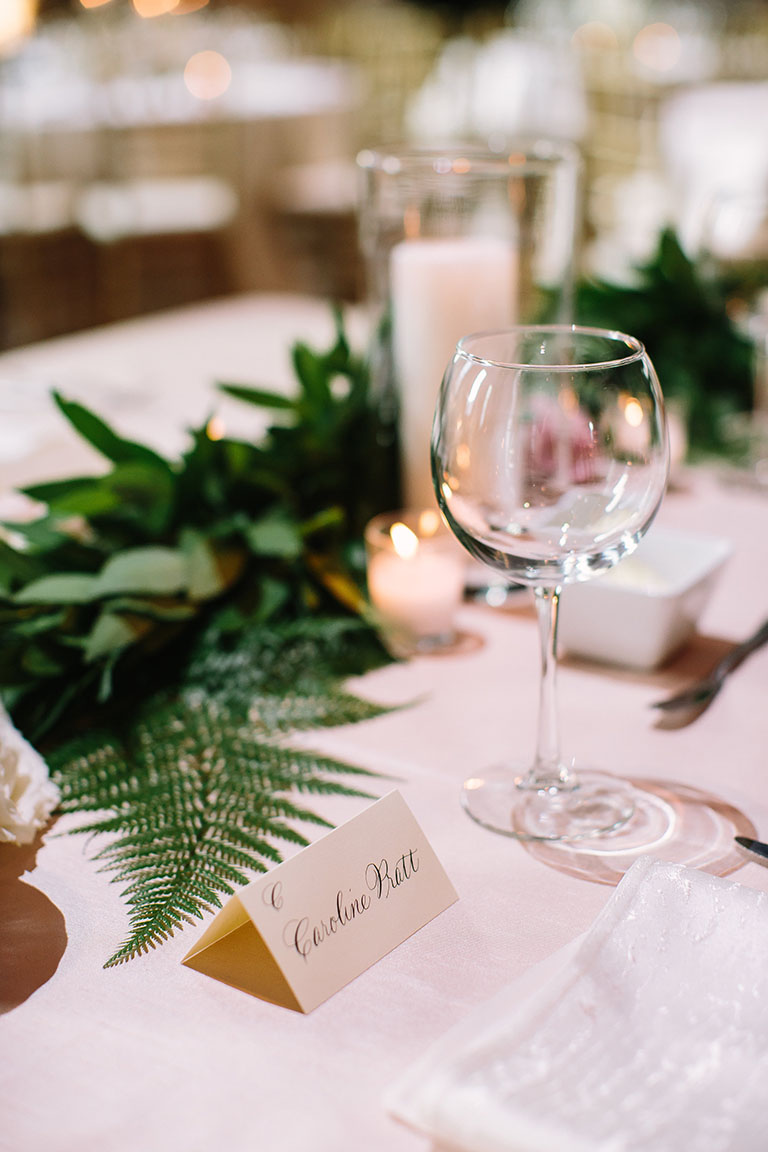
(33, 936)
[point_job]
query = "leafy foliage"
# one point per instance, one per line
(198, 786)
(682, 318)
(122, 568)
(167, 626)
(336, 453)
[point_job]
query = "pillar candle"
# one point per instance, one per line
(441, 290)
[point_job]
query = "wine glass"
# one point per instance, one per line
(550, 460)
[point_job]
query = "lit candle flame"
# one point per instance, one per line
(404, 540)
(215, 428)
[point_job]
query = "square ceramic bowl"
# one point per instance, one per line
(640, 613)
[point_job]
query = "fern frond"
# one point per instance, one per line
(196, 791)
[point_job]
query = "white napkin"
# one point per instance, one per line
(649, 1033)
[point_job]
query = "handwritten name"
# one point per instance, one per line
(303, 935)
(382, 880)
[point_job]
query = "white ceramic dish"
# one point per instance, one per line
(646, 608)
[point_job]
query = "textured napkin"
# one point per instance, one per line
(650, 1032)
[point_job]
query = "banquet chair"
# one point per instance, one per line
(158, 243)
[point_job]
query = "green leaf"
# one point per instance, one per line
(133, 489)
(112, 633)
(327, 518)
(90, 498)
(204, 574)
(93, 429)
(39, 623)
(273, 595)
(313, 376)
(169, 611)
(153, 571)
(14, 566)
(35, 661)
(66, 588)
(259, 396)
(42, 535)
(275, 535)
(51, 491)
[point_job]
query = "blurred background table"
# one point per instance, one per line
(246, 120)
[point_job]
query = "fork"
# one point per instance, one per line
(700, 694)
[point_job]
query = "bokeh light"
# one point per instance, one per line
(658, 47)
(207, 75)
(151, 8)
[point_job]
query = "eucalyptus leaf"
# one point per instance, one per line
(65, 588)
(113, 632)
(275, 535)
(154, 570)
(204, 578)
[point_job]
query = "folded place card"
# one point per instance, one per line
(305, 929)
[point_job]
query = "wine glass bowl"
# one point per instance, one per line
(550, 460)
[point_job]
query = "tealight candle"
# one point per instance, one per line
(416, 575)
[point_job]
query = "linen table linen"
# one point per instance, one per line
(155, 1055)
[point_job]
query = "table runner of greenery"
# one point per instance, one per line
(165, 627)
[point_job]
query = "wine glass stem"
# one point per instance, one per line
(548, 769)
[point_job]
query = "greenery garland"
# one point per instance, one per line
(166, 626)
(122, 569)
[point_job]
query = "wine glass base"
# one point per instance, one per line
(594, 805)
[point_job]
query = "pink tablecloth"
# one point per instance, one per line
(156, 1055)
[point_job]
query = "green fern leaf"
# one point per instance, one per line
(197, 790)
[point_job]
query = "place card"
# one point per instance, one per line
(309, 926)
